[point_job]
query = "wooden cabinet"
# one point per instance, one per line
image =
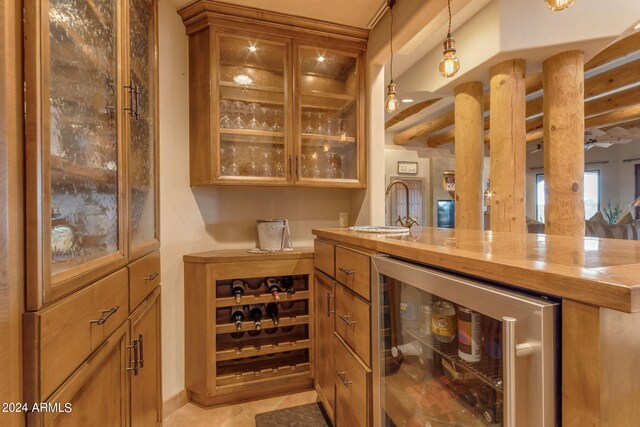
(145, 378)
(285, 99)
(227, 361)
(323, 321)
(96, 393)
(343, 333)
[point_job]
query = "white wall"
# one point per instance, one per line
(617, 179)
(194, 220)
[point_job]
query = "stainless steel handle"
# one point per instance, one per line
(105, 315)
(329, 311)
(512, 350)
(346, 271)
(151, 276)
(345, 318)
(141, 359)
(135, 367)
(343, 378)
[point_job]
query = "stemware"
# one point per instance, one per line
(252, 110)
(279, 166)
(225, 108)
(320, 130)
(276, 121)
(238, 108)
(309, 128)
(265, 113)
(267, 163)
(252, 168)
(231, 169)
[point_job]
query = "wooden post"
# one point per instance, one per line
(564, 144)
(469, 147)
(508, 146)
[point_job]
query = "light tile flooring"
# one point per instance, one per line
(240, 415)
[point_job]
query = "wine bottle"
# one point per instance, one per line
(274, 288)
(237, 317)
(255, 313)
(272, 311)
(237, 289)
(287, 284)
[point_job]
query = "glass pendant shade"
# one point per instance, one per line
(392, 102)
(557, 5)
(450, 64)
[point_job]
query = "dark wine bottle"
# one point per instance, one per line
(274, 288)
(255, 313)
(237, 290)
(287, 284)
(272, 311)
(237, 317)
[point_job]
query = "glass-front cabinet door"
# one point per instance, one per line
(74, 155)
(253, 110)
(142, 120)
(330, 123)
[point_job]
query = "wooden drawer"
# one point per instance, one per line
(66, 333)
(324, 257)
(352, 383)
(144, 276)
(353, 322)
(353, 271)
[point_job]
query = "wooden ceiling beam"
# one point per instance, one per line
(615, 101)
(617, 50)
(613, 117)
(410, 111)
(613, 79)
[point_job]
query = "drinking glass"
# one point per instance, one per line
(267, 163)
(265, 113)
(304, 169)
(231, 169)
(279, 166)
(330, 127)
(238, 108)
(309, 128)
(225, 108)
(276, 121)
(253, 169)
(252, 110)
(320, 130)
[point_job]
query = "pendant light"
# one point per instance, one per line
(557, 5)
(450, 64)
(392, 102)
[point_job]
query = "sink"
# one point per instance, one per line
(379, 229)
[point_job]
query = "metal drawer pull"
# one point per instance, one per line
(342, 376)
(329, 311)
(346, 271)
(105, 315)
(134, 368)
(151, 276)
(345, 318)
(141, 360)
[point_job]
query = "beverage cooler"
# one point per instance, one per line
(453, 351)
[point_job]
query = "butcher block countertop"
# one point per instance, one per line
(601, 272)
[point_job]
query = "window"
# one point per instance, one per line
(591, 194)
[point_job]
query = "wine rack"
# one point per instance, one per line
(234, 361)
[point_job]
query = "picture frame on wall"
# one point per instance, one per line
(408, 168)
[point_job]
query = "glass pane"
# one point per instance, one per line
(441, 362)
(252, 106)
(329, 84)
(142, 153)
(83, 131)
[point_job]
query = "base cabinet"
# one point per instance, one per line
(324, 384)
(98, 390)
(145, 376)
(352, 380)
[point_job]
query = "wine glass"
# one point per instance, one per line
(225, 107)
(253, 169)
(231, 169)
(279, 166)
(276, 122)
(320, 130)
(267, 163)
(309, 128)
(330, 127)
(238, 109)
(254, 123)
(265, 113)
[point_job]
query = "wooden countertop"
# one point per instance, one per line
(241, 255)
(601, 272)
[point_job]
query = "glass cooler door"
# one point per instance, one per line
(455, 352)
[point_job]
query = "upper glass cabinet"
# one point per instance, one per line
(143, 138)
(253, 108)
(330, 118)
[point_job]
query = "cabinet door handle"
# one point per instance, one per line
(136, 92)
(297, 170)
(343, 377)
(291, 166)
(134, 347)
(345, 318)
(346, 271)
(105, 315)
(151, 276)
(329, 311)
(141, 359)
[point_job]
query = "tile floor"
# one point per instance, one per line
(240, 415)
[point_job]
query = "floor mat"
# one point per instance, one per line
(311, 415)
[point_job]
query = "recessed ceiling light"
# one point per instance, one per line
(320, 58)
(407, 100)
(252, 48)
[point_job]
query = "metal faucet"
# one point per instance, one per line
(407, 221)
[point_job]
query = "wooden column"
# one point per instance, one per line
(469, 134)
(508, 143)
(564, 144)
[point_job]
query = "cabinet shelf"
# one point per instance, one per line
(323, 138)
(259, 88)
(251, 132)
(489, 372)
(63, 170)
(247, 377)
(225, 328)
(261, 299)
(261, 350)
